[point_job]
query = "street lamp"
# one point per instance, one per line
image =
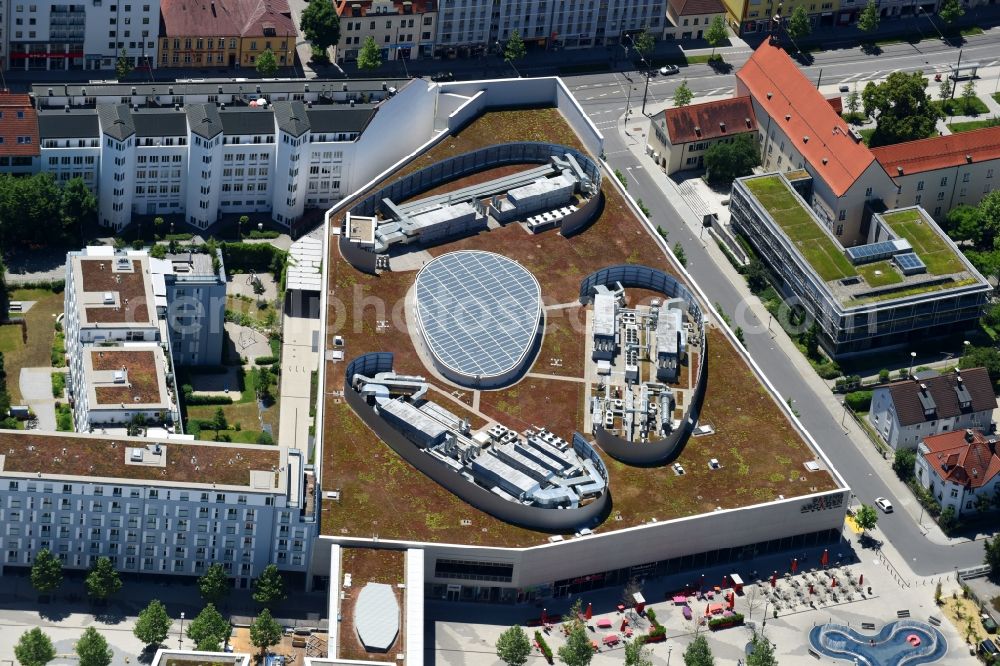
(913, 356)
(646, 64)
(670, 650)
(180, 634)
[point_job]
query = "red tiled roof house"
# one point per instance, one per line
(961, 469)
(19, 144)
(681, 135)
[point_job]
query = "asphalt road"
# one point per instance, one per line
(604, 97)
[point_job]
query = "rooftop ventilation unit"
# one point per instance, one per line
(119, 377)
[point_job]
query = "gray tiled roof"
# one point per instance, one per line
(247, 122)
(159, 123)
(116, 121)
(75, 125)
(291, 117)
(204, 120)
(340, 119)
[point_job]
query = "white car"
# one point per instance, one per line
(669, 69)
(883, 504)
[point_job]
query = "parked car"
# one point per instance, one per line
(883, 504)
(443, 76)
(845, 88)
(989, 624)
(669, 69)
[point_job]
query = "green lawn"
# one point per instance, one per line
(959, 107)
(825, 255)
(10, 338)
(929, 246)
(880, 274)
(866, 134)
(970, 125)
(697, 59)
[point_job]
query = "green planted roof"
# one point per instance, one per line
(933, 250)
(825, 255)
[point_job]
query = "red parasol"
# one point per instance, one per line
(861, 580)
(731, 598)
(795, 565)
(624, 624)
(708, 610)
(545, 617)
(774, 580)
(590, 611)
(825, 559)
(834, 583)
(811, 588)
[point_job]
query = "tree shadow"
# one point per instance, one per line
(147, 654)
(720, 66)
(805, 58)
(52, 612)
(867, 541)
(871, 48)
(108, 614)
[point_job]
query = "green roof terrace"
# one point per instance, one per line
(863, 283)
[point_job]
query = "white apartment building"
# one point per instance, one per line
(155, 507)
(906, 412)
(203, 150)
(472, 27)
(55, 35)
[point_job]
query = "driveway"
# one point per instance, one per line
(36, 390)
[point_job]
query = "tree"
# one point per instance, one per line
(265, 382)
(869, 18)
(153, 624)
(214, 583)
(124, 65)
(947, 519)
(683, 94)
(103, 580)
(969, 98)
(645, 43)
(637, 654)
(944, 90)
(46, 572)
(901, 108)
(269, 586)
(321, 26)
(370, 55)
(727, 161)
(951, 10)
(513, 646)
(903, 462)
(762, 652)
(991, 555)
(209, 630)
(577, 651)
(92, 649)
(716, 33)
(680, 254)
(4, 295)
(220, 422)
(698, 653)
(34, 648)
(78, 206)
(798, 24)
(756, 275)
(866, 517)
(514, 49)
(982, 357)
(265, 632)
(266, 64)
(240, 224)
(853, 103)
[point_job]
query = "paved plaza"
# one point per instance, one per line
(454, 641)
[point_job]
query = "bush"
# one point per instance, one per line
(859, 401)
(55, 286)
(58, 384)
(266, 360)
(723, 622)
(883, 376)
(903, 463)
(256, 257)
(178, 237)
(263, 234)
(657, 633)
(543, 646)
(828, 370)
(192, 400)
(158, 251)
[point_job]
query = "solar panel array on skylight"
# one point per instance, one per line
(863, 254)
(479, 311)
(910, 263)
